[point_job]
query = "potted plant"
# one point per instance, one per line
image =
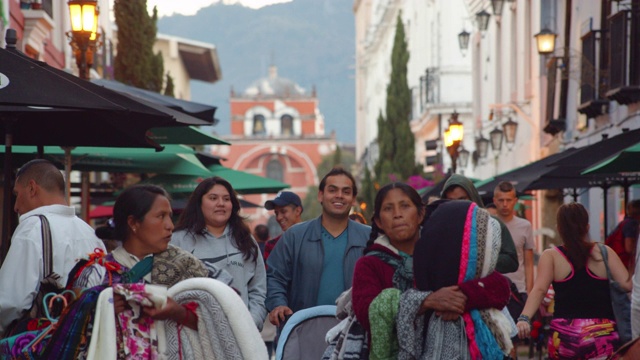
(36, 4)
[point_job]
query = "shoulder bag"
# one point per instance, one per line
(32, 319)
(619, 301)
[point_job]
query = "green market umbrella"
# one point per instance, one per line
(105, 210)
(242, 182)
(625, 162)
(189, 135)
(174, 159)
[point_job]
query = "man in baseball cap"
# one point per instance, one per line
(287, 207)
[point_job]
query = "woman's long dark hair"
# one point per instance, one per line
(192, 218)
(134, 201)
(381, 195)
(573, 226)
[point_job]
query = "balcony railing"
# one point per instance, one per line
(592, 103)
(624, 57)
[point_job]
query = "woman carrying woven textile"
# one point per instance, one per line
(459, 243)
(583, 325)
(142, 219)
(211, 228)
(386, 271)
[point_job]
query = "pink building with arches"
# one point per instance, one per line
(277, 131)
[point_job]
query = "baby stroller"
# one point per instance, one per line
(303, 336)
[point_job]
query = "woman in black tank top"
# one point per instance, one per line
(583, 325)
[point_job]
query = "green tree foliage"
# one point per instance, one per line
(135, 63)
(337, 156)
(395, 139)
(169, 88)
(312, 207)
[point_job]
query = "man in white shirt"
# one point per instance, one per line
(39, 190)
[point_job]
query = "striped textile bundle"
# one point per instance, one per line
(460, 244)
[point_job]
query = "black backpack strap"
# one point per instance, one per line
(47, 250)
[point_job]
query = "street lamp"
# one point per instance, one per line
(496, 136)
(463, 40)
(497, 5)
(463, 157)
(510, 128)
(546, 41)
(84, 33)
(453, 139)
(482, 19)
(482, 146)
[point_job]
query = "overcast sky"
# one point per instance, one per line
(190, 7)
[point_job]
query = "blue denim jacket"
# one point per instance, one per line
(295, 264)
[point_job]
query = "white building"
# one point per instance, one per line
(588, 87)
(601, 46)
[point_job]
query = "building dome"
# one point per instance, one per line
(274, 86)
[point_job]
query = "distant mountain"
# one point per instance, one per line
(310, 41)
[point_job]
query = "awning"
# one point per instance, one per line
(242, 182)
(523, 176)
(177, 205)
(174, 159)
(566, 172)
(201, 111)
(626, 163)
(187, 135)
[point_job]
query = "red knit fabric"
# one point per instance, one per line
(370, 276)
(493, 293)
(268, 247)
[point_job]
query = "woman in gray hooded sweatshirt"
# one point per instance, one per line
(211, 228)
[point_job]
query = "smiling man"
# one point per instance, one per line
(287, 208)
(313, 262)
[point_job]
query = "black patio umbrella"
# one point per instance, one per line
(566, 172)
(523, 176)
(201, 111)
(41, 105)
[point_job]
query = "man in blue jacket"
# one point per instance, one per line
(313, 262)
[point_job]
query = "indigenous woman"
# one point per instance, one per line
(386, 271)
(583, 325)
(211, 228)
(459, 245)
(142, 221)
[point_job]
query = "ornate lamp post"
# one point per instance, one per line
(463, 157)
(84, 33)
(546, 41)
(497, 5)
(482, 146)
(482, 20)
(510, 129)
(496, 135)
(463, 40)
(453, 138)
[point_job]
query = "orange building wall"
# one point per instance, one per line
(299, 156)
(237, 127)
